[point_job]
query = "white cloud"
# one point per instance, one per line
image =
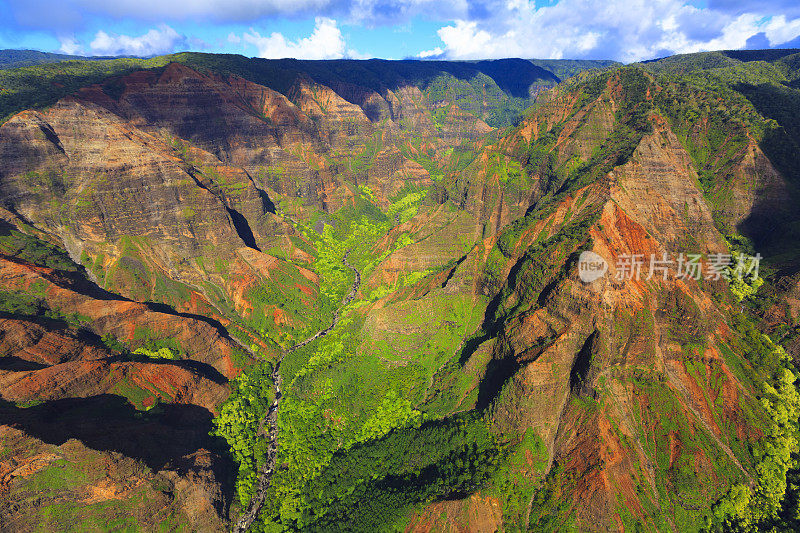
(156, 41)
(465, 40)
(436, 52)
(70, 45)
(325, 42)
(627, 30)
(780, 31)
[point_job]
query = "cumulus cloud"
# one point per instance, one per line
(325, 42)
(627, 30)
(779, 30)
(163, 40)
(435, 53)
(70, 45)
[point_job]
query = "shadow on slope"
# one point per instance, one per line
(775, 232)
(110, 423)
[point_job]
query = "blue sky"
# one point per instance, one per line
(625, 30)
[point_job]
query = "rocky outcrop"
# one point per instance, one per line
(624, 379)
(106, 486)
(199, 340)
(135, 430)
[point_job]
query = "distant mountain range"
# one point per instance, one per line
(27, 58)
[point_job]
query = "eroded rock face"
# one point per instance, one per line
(76, 402)
(624, 380)
(161, 184)
(155, 180)
(106, 486)
(200, 340)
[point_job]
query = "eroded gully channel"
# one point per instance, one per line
(270, 421)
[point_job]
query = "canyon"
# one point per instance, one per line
(278, 295)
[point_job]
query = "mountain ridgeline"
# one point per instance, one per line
(282, 295)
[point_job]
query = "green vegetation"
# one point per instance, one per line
(686, 487)
(766, 506)
(479, 95)
(22, 304)
(274, 298)
(403, 209)
(33, 307)
(715, 139)
(743, 509)
(337, 398)
(368, 487)
(47, 496)
(160, 353)
(27, 58)
(742, 284)
(542, 262)
(29, 248)
(113, 343)
(476, 86)
(516, 480)
(552, 505)
(632, 123)
(41, 85)
(341, 400)
(567, 68)
(238, 423)
(718, 104)
(150, 345)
